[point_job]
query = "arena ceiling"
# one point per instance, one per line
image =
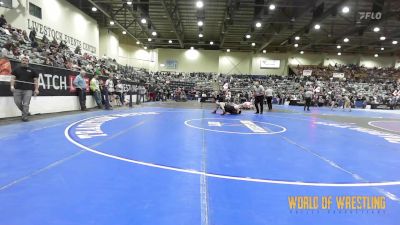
(227, 22)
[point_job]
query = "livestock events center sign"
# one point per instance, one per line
(50, 32)
(54, 81)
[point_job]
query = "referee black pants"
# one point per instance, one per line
(269, 102)
(307, 104)
(259, 100)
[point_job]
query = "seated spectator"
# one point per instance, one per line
(32, 35)
(25, 54)
(45, 40)
(6, 51)
(25, 37)
(77, 50)
(35, 44)
(48, 62)
(3, 21)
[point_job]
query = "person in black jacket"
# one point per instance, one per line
(23, 83)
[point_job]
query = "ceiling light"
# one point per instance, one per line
(123, 32)
(253, 44)
(394, 42)
(339, 53)
(112, 22)
(200, 35)
(154, 33)
(296, 45)
(376, 55)
(382, 38)
(129, 2)
(170, 41)
(376, 29)
(302, 52)
(192, 48)
(200, 23)
(346, 40)
(258, 24)
(339, 47)
(382, 48)
(94, 9)
(199, 4)
(145, 47)
(297, 38)
(138, 42)
(345, 9)
(248, 36)
(143, 20)
(264, 51)
(149, 39)
(272, 7)
(228, 50)
(317, 26)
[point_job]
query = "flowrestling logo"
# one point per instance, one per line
(370, 15)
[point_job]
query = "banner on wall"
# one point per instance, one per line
(171, 64)
(53, 81)
(51, 33)
(270, 64)
(307, 73)
(338, 75)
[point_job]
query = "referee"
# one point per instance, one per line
(258, 97)
(308, 96)
(23, 82)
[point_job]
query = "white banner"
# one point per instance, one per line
(338, 75)
(307, 72)
(269, 63)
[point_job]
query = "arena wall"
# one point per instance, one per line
(109, 43)
(234, 62)
(187, 60)
(59, 19)
(132, 55)
(370, 61)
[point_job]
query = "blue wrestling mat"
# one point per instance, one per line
(170, 166)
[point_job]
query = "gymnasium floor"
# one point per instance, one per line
(171, 164)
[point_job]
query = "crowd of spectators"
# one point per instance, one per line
(16, 44)
(371, 85)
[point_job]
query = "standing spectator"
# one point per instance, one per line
(119, 91)
(109, 91)
(80, 85)
(23, 81)
(142, 93)
(259, 97)
(95, 88)
(269, 95)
